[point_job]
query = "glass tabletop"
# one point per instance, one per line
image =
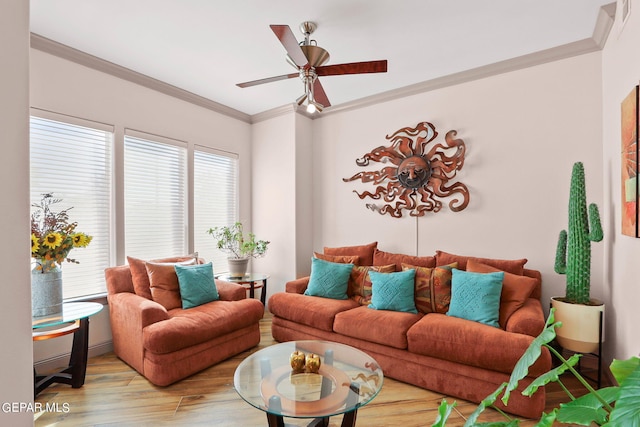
(71, 311)
(347, 379)
(248, 277)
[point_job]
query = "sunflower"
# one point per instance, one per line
(35, 244)
(80, 240)
(52, 240)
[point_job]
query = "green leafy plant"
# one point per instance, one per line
(615, 406)
(573, 254)
(231, 239)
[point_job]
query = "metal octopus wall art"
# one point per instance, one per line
(419, 176)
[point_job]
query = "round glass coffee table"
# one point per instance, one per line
(346, 380)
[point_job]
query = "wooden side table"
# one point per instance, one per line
(252, 281)
(74, 319)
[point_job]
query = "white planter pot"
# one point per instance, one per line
(46, 293)
(237, 266)
(580, 330)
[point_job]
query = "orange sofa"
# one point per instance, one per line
(457, 357)
(168, 345)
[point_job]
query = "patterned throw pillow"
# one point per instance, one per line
(432, 287)
(393, 291)
(197, 284)
(476, 296)
(360, 281)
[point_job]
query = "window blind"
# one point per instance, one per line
(154, 196)
(215, 201)
(73, 162)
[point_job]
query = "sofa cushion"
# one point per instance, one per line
(165, 289)
(364, 252)
(140, 277)
(186, 328)
(476, 296)
(432, 287)
(470, 343)
(360, 281)
(316, 312)
(393, 291)
(515, 266)
(197, 284)
(379, 326)
(328, 279)
(515, 290)
(344, 259)
(385, 258)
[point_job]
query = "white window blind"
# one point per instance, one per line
(155, 196)
(73, 162)
(215, 200)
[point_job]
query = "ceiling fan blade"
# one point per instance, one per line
(288, 40)
(319, 94)
(268, 80)
(353, 68)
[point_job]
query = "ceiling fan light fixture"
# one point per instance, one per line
(301, 99)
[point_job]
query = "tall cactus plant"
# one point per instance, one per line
(573, 254)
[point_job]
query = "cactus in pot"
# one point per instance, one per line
(573, 254)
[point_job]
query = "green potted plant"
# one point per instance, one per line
(240, 247)
(615, 406)
(579, 313)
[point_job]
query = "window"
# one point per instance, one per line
(155, 206)
(215, 180)
(72, 159)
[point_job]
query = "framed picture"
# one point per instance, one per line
(629, 164)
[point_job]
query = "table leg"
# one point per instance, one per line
(275, 420)
(263, 293)
(252, 289)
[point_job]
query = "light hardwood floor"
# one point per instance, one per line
(116, 395)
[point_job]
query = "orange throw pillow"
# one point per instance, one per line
(365, 252)
(432, 287)
(341, 259)
(360, 283)
(515, 290)
(165, 288)
(140, 277)
(515, 266)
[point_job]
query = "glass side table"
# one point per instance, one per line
(252, 280)
(74, 319)
(347, 379)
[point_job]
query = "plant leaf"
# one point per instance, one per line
(486, 402)
(626, 413)
(621, 369)
(587, 409)
(511, 423)
(444, 410)
(551, 376)
(531, 355)
(547, 420)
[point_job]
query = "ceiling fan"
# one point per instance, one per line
(309, 59)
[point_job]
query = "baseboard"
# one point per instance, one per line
(54, 363)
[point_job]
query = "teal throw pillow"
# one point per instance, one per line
(476, 296)
(328, 279)
(393, 291)
(197, 284)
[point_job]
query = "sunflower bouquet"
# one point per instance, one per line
(53, 236)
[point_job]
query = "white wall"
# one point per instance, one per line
(523, 131)
(15, 291)
(65, 87)
(621, 73)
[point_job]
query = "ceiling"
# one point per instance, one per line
(207, 46)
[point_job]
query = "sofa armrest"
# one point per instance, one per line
(230, 291)
(528, 320)
(297, 286)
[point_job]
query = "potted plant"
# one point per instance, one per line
(579, 313)
(240, 247)
(615, 406)
(53, 236)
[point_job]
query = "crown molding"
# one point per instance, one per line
(66, 52)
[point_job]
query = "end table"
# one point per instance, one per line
(253, 280)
